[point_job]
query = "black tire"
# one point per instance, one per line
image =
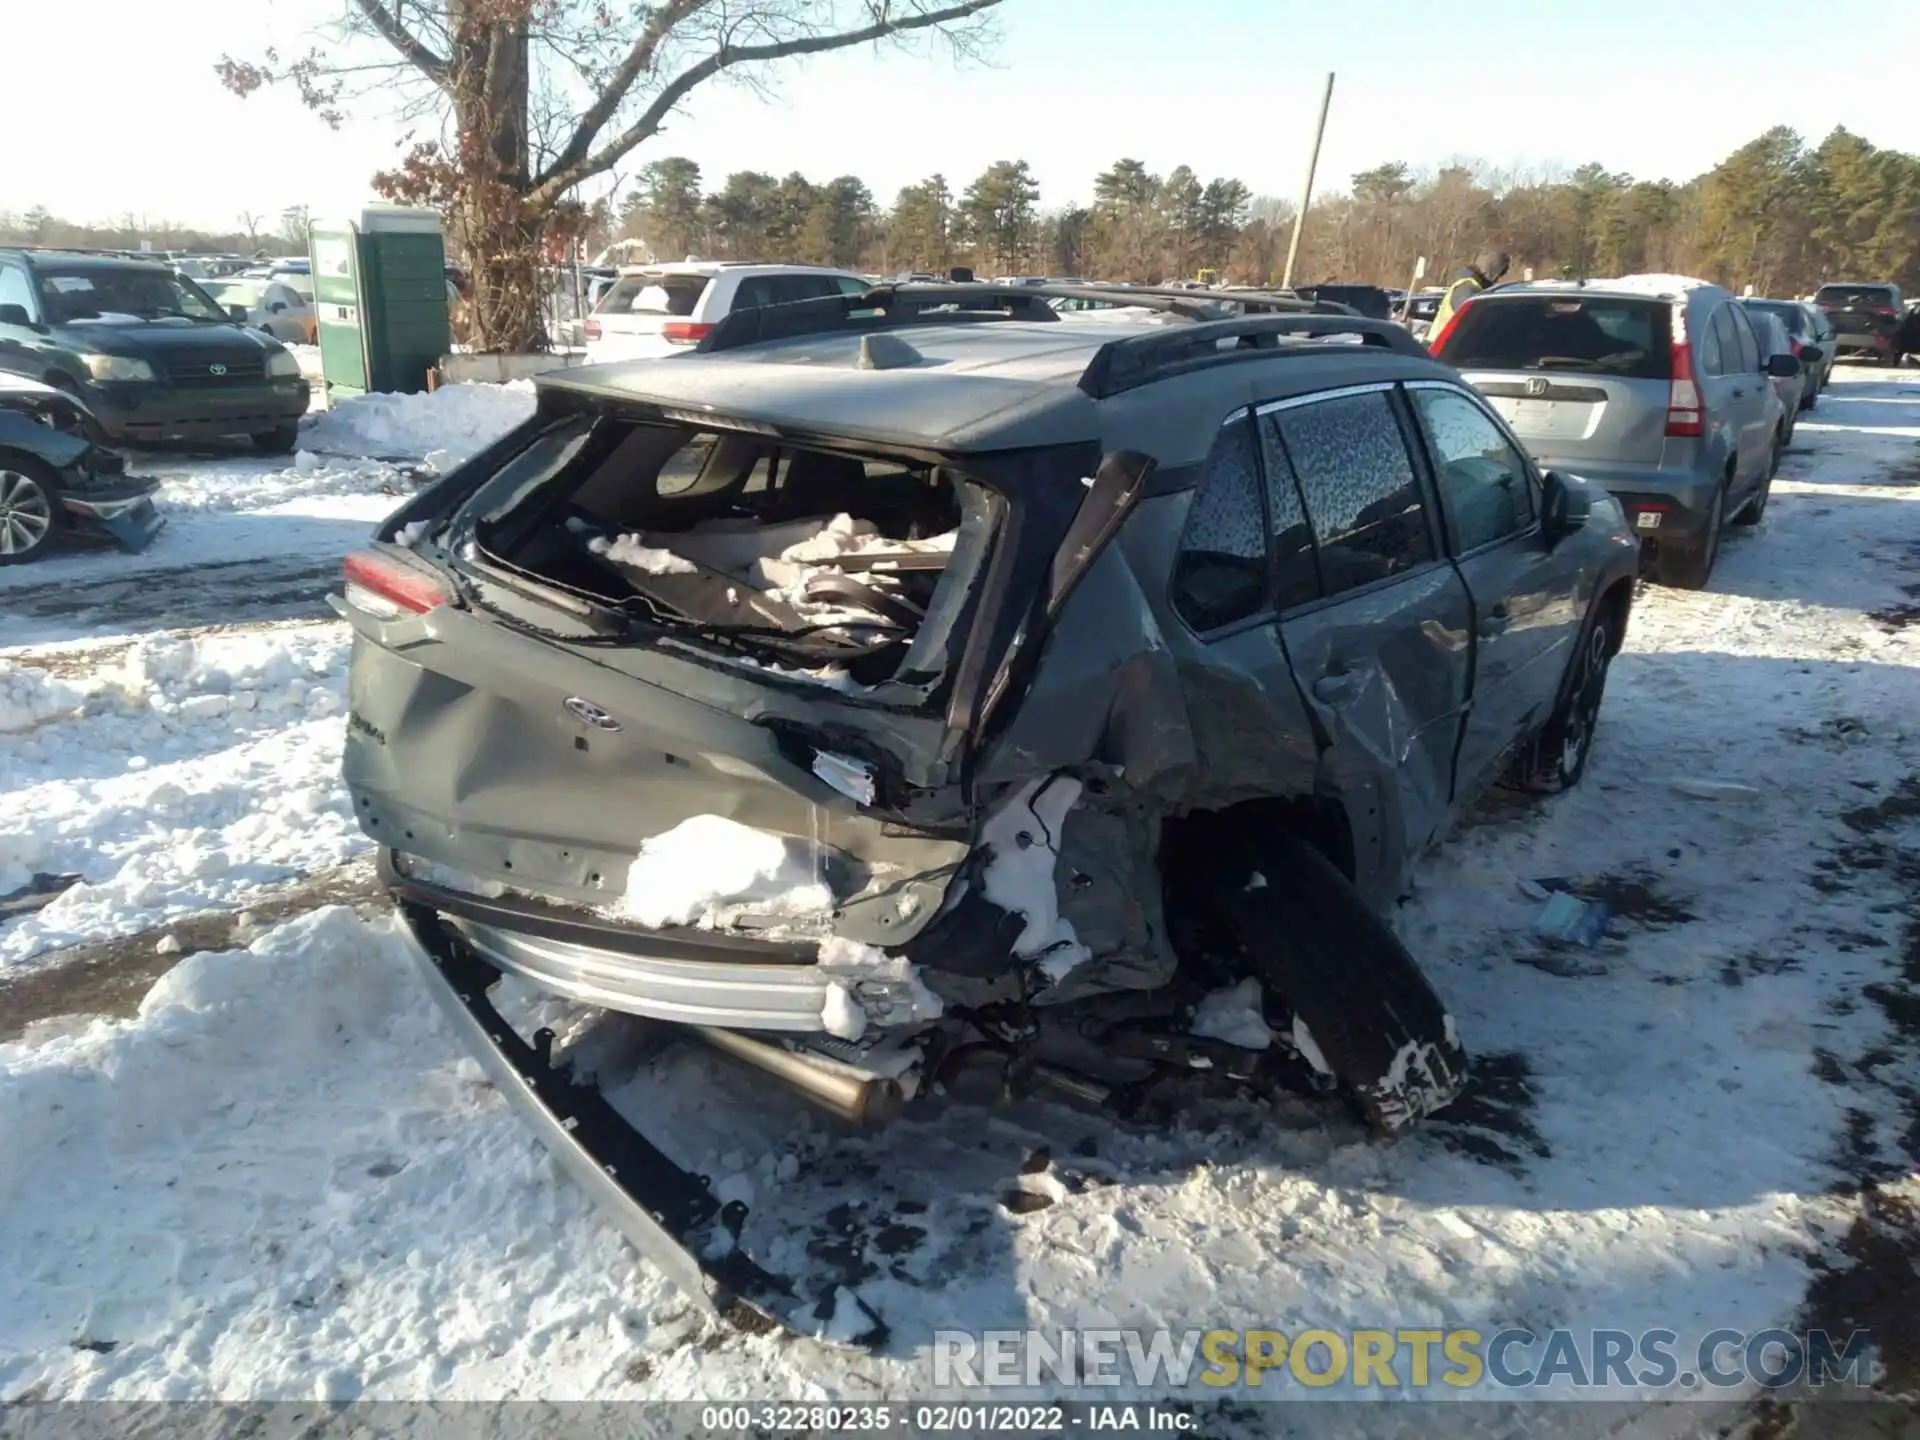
(1692, 568)
(31, 519)
(278, 441)
(1755, 510)
(1308, 936)
(1812, 397)
(1556, 758)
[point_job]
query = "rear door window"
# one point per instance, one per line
(1719, 351)
(1220, 574)
(1296, 562)
(1362, 496)
(1575, 333)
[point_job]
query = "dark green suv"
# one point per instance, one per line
(152, 355)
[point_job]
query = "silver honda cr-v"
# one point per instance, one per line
(1653, 386)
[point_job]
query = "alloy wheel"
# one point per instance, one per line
(26, 513)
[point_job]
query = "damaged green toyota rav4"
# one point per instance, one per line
(907, 683)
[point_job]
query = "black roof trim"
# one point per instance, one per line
(1136, 360)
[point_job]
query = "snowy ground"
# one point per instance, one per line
(282, 1178)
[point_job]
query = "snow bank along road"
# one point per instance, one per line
(276, 1175)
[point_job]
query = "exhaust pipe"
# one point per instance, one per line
(857, 1096)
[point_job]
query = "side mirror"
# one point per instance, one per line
(1811, 355)
(15, 315)
(277, 306)
(237, 312)
(1782, 367)
(1564, 507)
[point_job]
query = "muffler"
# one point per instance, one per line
(855, 1095)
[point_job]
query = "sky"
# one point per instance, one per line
(1655, 88)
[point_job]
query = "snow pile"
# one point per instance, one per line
(627, 550)
(29, 697)
(239, 486)
(456, 419)
(782, 561)
(713, 872)
(195, 773)
(1233, 1015)
(889, 987)
(1022, 839)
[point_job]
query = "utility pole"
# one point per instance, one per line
(1306, 190)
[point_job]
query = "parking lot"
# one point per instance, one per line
(278, 1175)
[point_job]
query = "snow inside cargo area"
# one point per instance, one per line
(247, 1158)
(810, 557)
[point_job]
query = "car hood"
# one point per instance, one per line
(141, 339)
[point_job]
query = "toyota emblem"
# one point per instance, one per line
(1536, 386)
(589, 713)
(216, 369)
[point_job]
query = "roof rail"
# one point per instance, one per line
(890, 306)
(1136, 360)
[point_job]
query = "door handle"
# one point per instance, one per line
(1495, 620)
(1335, 689)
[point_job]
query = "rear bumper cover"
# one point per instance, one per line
(670, 1216)
(1682, 499)
(685, 978)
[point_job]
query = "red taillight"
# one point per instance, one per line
(1881, 310)
(684, 332)
(1683, 396)
(1797, 348)
(1438, 342)
(591, 329)
(389, 587)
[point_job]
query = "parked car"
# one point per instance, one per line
(1870, 321)
(55, 481)
(151, 354)
(982, 703)
(278, 309)
(1371, 301)
(1805, 327)
(1651, 385)
(658, 310)
(1771, 331)
(1418, 310)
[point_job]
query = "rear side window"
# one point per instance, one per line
(653, 294)
(16, 289)
(1854, 295)
(1220, 574)
(1625, 337)
(1358, 482)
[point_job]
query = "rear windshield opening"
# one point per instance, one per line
(1879, 295)
(653, 293)
(782, 554)
(1624, 337)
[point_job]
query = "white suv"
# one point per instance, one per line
(656, 310)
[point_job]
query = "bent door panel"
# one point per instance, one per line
(1383, 658)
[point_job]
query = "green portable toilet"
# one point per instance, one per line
(380, 287)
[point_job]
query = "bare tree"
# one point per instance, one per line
(250, 227)
(535, 98)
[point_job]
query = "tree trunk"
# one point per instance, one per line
(498, 231)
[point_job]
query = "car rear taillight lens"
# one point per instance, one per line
(591, 329)
(389, 588)
(1683, 396)
(685, 332)
(1437, 343)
